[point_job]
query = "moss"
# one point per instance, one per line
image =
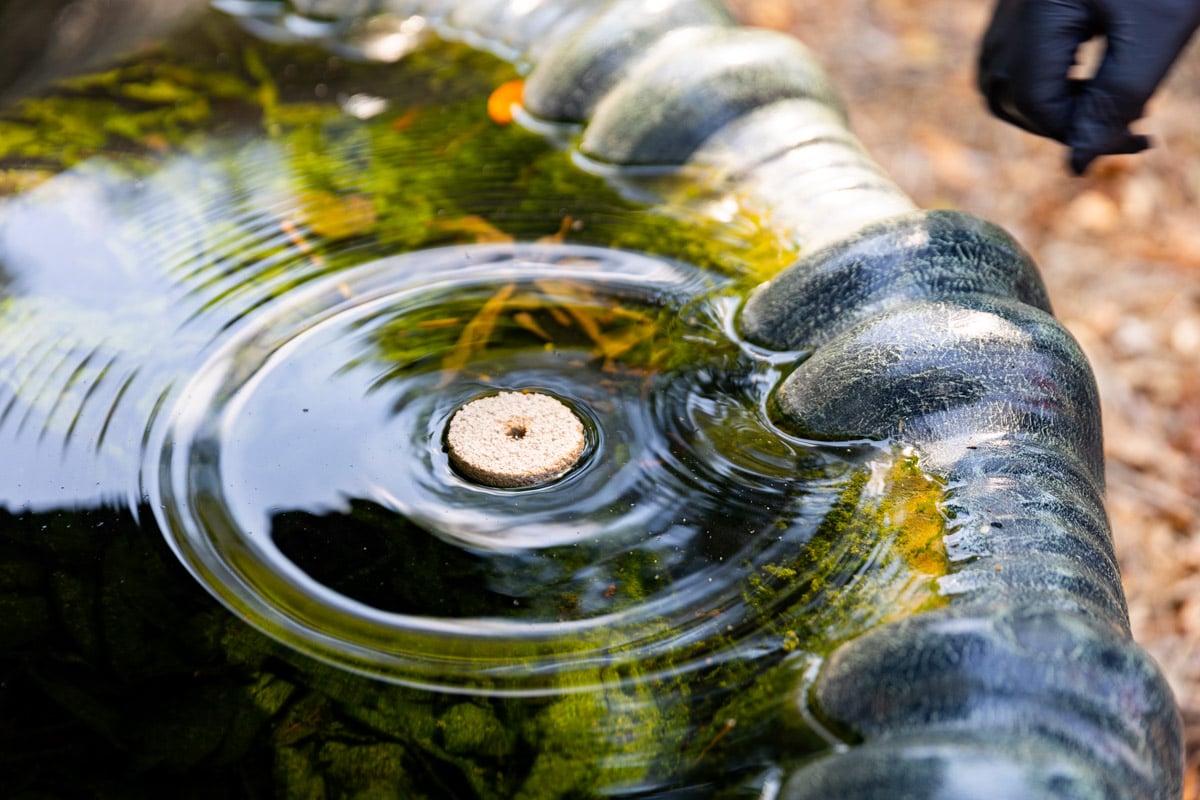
(756, 723)
(139, 110)
(255, 705)
(889, 517)
(874, 558)
(473, 728)
(619, 734)
(565, 763)
(637, 575)
(364, 765)
(913, 514)
(404, 714)
(197, 120)
(311, 716)
(297, 774)
(444, 745)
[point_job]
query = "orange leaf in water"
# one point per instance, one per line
(526, 321)
(500, 103)
(475, 334)
(473, 225)
(566, 226)
(614, 331)
(406, 119)
(299, 242)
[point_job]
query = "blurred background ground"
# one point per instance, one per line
(1119, 250)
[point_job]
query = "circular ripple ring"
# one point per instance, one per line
(245, 526)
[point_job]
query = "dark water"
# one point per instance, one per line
(243, 287)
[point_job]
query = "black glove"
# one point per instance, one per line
(1031, 45)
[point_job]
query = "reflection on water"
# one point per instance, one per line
(242, 289)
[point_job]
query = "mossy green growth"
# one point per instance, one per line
(875, 557)
(472, 727)
(211, 176)
(611, 731)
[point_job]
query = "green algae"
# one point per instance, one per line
(895, 538)
(875, 558)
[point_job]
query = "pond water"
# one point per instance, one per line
(243, 288)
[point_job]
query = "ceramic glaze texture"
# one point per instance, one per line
(928, 329)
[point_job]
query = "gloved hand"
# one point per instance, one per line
(1031, 44)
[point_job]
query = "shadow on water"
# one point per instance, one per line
(210, 332)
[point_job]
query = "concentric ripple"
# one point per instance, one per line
(304, 477)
